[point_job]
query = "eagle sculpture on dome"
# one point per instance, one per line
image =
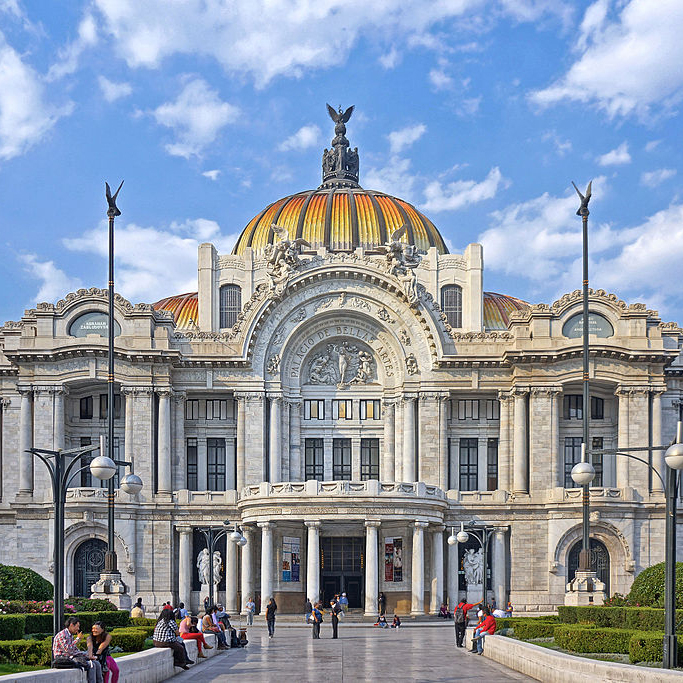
(340, 116)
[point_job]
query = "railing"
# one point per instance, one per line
(343, 488)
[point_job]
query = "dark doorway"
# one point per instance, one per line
(599, 562)
(88, 565)
(341, 569)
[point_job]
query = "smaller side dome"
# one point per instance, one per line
(497, 309)
(183, 306)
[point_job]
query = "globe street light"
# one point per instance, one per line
(131, 484)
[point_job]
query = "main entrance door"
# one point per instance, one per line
(341, 568)
(88, 565)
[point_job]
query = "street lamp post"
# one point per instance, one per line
(464, 535)
(583, 473)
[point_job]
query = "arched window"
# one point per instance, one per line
(451, 304)
(230, 304)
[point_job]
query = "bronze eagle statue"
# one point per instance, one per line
(340, 116)
(584, 199)
(111, 201)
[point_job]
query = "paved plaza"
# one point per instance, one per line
(362, 653)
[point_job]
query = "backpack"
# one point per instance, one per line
(459, 615)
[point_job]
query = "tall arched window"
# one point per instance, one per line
(451, 304)
(230, 304)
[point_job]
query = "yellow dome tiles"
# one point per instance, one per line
(341, 219)
(183, 307)
(497, 309)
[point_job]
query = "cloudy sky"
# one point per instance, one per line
(480, 112)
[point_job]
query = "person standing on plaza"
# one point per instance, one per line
(344, 603)
(460, 620)
(250, 608)
(206, 604)
(335, 610)
(317, 619)
(271, 608)
(382, 604)
(308, 608)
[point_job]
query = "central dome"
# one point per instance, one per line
(340, 215)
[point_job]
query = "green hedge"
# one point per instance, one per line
(528, 629)
(648, 587)
(31, 652)
(638, 618)
(21, 583)
(592, 639)
(38, 623)
(129, 639)
(93, 605)
(12, 626)
(648, 647)
(143, 621)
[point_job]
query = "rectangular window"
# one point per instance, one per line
(597, 461)
(468, 409)
(597, 408)
(492, 464)
(230, 304)
(192, 409)
(104, 401)
(572, 455)
(341, 459)
(215, 460)
(86, 477)
(342, 409)
(492, 409)
(315, 461)
(451, 304)
(370, 409)
(369, 459)
(192, 465)
(314, 409)
(217, 409)
(468, 464)
(573, 407)
(86, 409)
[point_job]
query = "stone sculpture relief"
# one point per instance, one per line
(282, 259)
(203, 566)
(411, 364)
(402, 259)
(473, 564)
(273, 366)
(342, 364)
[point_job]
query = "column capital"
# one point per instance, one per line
(519, 392)
(421, 525)
(374, 523)
(137, 390)
(163, 392)
(658, 390)
(25, 390)
(183, 529)
(5, 402)
(178, 396)
(265, 525)
(504, 395)
(312, 524)
(48, 389)
(438, 528)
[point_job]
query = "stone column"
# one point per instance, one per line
(499, 566)
(164, 484)
(185, 565)
(453, 567)
(388, 468)
(247, 576)
(622, 437)
(285, 454)
(399, 411)
(266, 561)
(556, 453)
(371, 567)
(521, 463)
(240, 401)
(444, 455)
(436, 584)
(313, 561)
(179, 446)
(275, 450)
(409, 472)
(25, 441)
(657, 456)
(296, 460)
(60, 393)
(418, 569)
(504, 479)
(129, 423)
(231, 604)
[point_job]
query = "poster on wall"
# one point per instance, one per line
(393, 560)
(291, 548)
(398, 559)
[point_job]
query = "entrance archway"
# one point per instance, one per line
(341, 569)
(599, 561)
(88, 565)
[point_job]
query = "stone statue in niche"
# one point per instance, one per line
(473, 564)
(282, 259)
(402, 260)
(203, 560)
(342, 364)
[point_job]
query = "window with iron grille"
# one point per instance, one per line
(468, 409)
(217, 409)
(597, 442)
(369, 459)
(104, 401)
(572, 455)
(492, 409)
(192, 409)
(215, 470)
(451, 304)
(192, 464)
(342, 409)
(370, 409)
(469, 456)
(230, 304)
(314, 409)
(492, 464)
(314, 459)
(86, 409)
(341, 459)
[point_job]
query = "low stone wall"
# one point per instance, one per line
(149, 666)
(556, 667)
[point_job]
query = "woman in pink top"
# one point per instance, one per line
(189, 631)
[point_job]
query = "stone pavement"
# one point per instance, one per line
(414, 653)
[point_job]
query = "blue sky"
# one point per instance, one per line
(479, 112)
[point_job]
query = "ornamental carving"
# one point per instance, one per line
(299, 315)
(282, 259)
(342, 364)
(273, 366)
(411, 364)
(384, 315)
(403, 336)
(401, 260)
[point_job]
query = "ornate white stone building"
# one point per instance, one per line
(347, 392)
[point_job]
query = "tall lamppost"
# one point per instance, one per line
(583, 473)
(60, 465)
(483, 535)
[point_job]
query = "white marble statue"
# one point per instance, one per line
(473, 564)
(217, 561)
(203, 560)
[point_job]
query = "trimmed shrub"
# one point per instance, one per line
(579, 639)
(142, 621)
(129, 639)
(10, 585)
(38, 623)
(567, 614)
(527, 629)
(12, 626)
(648, 588)
(87, 619)
(93, 605)
(614, 617)
(34, 585)
(118, 619)
(30, 652)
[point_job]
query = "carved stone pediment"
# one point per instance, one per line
(342, 364)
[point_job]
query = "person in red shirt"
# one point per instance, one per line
(460, 619)
(487, 627)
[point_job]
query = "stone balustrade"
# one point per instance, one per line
(343, 488)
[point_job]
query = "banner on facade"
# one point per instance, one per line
(291, 549)
(393, 560)
(398, 559)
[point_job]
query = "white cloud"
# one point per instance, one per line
(405, 137)
(627, 65)
(69, 56)
(615, 157)
(440, 80)
(196, 117)
(25, 115)
(54, 283)
(395, 178)
(390, 59)
(461, 193)
(469, 106)
(562, 147)
(142, 277)
(113, 91)
(593, 22)
(212, 175)
(305, 137)
(654, 178)
(652, 145)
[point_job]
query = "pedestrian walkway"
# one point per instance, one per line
(414, 653)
